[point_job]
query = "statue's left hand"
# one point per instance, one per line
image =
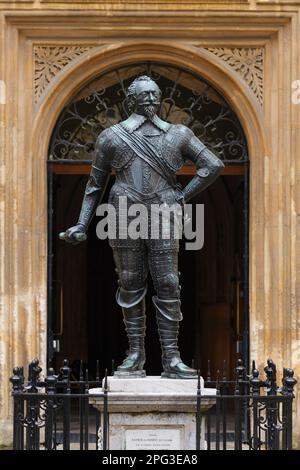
(74, 235)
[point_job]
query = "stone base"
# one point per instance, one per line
(152, 413)
(153, 431)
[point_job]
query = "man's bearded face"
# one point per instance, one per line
(147, 98)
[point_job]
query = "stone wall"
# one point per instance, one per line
(249, 50)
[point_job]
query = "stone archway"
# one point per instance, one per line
(186, 99)
(105, 58)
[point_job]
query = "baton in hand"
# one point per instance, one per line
(78, 237)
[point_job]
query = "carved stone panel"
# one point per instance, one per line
(49, 61)
(247, 62)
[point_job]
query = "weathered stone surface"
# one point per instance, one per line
(177, 36)
(154, 384)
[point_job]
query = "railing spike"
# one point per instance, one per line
(97, 371)
(81, 370)
(224, 378)
(86, 379)
(113, 367)
(208, 371)
(105, 380)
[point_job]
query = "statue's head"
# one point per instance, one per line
(143, 96)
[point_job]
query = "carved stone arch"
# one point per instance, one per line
(105, 58)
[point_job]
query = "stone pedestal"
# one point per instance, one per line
(152, 413)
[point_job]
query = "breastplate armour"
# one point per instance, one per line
(135, 172)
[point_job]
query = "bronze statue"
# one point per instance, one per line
(146, 152)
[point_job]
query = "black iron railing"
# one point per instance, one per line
(57, 408)
(247, 413)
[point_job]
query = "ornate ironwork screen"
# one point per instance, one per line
(187, 99)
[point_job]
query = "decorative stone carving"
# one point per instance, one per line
(248, 62)
(49, 61)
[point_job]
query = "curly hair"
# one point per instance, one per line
(131, 90)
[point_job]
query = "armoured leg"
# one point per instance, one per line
(131, 297)
(133, 306)
(164, 272)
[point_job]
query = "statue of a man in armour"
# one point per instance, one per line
(146, 152)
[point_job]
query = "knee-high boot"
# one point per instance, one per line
(133, 307)
(168, 315)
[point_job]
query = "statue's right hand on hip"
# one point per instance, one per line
(74, 234)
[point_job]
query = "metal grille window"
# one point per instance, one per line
(187, 99)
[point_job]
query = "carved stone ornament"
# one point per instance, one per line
(248, 62)
(49, 61)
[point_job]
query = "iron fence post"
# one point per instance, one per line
(224, 405)
(50, 381)
(66, 372)
(81, 405)
(240, 372)
(288, 382)
(86, 411)
(32, 407)
(272, 406)
(198, 413)
(97, 418)
(238, 409)
(105, 414)
(255, 384)
(218, 407)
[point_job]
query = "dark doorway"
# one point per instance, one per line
(87, 323)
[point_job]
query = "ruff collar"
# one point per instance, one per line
(136, 120)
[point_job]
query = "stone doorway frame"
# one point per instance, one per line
(37, 91)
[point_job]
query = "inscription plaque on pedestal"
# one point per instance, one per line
(164, 439)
